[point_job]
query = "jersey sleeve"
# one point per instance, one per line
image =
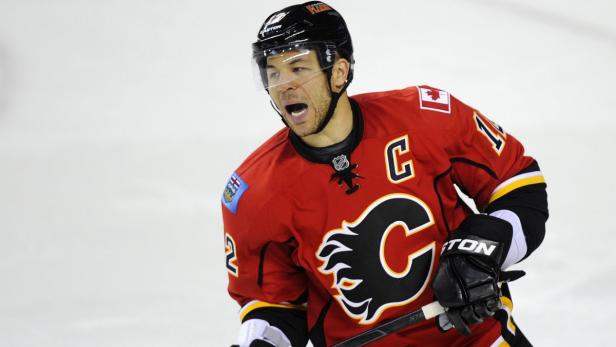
(488, 163)
(260, 254)
(491, 167)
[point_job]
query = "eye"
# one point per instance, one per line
(299, 69)
(273, 75)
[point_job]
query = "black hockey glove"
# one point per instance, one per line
(466, 282)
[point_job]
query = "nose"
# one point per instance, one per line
(286, 81)
(288, 86)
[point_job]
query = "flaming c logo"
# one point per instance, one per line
(356, 256)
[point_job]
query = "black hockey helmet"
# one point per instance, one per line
(314, 25)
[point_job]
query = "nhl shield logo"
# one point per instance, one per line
(340, 162)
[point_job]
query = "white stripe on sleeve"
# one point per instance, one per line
(518, 248)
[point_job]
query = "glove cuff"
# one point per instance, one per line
(483, 236)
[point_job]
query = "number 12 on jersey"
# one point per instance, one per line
(230, 255)
(497, 138)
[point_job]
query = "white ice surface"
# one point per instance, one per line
(121, 120)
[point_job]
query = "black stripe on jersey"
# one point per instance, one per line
(533, 197)
(475, 164)
(438, 195)
(261, 262)
(302, 299)
(317, 333)
(446, 172)
(530, 204)
(534, 166)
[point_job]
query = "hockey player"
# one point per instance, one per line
(349, 217)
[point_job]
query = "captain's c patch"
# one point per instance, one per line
(233, 192)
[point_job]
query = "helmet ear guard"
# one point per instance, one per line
(328, 54)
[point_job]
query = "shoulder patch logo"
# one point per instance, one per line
(434, 99)
(233, 192)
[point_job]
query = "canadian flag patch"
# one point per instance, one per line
(434, 99)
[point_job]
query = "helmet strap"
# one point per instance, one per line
(277, 110)
(335, 96)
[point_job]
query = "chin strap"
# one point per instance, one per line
(333, 102)
(277, 110)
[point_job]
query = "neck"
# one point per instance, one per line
(338, 128)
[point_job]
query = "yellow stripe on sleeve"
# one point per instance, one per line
(515, 184)
(500, 342)
(507, 302)
(509, 308)
(255, 304)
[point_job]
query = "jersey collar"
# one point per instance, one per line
(325, 155)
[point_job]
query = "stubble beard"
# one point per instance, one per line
(319, 115)
(303, 130)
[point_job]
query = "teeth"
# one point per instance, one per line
(296, 110)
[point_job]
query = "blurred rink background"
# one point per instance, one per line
(120, 122)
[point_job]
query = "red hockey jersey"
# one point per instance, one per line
(369, 256)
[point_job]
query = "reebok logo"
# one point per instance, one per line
(470, 246)
(318, 8)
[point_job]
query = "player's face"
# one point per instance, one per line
(299, 88)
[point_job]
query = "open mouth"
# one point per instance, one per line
(296, 110)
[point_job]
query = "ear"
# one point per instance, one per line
(340, 72)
